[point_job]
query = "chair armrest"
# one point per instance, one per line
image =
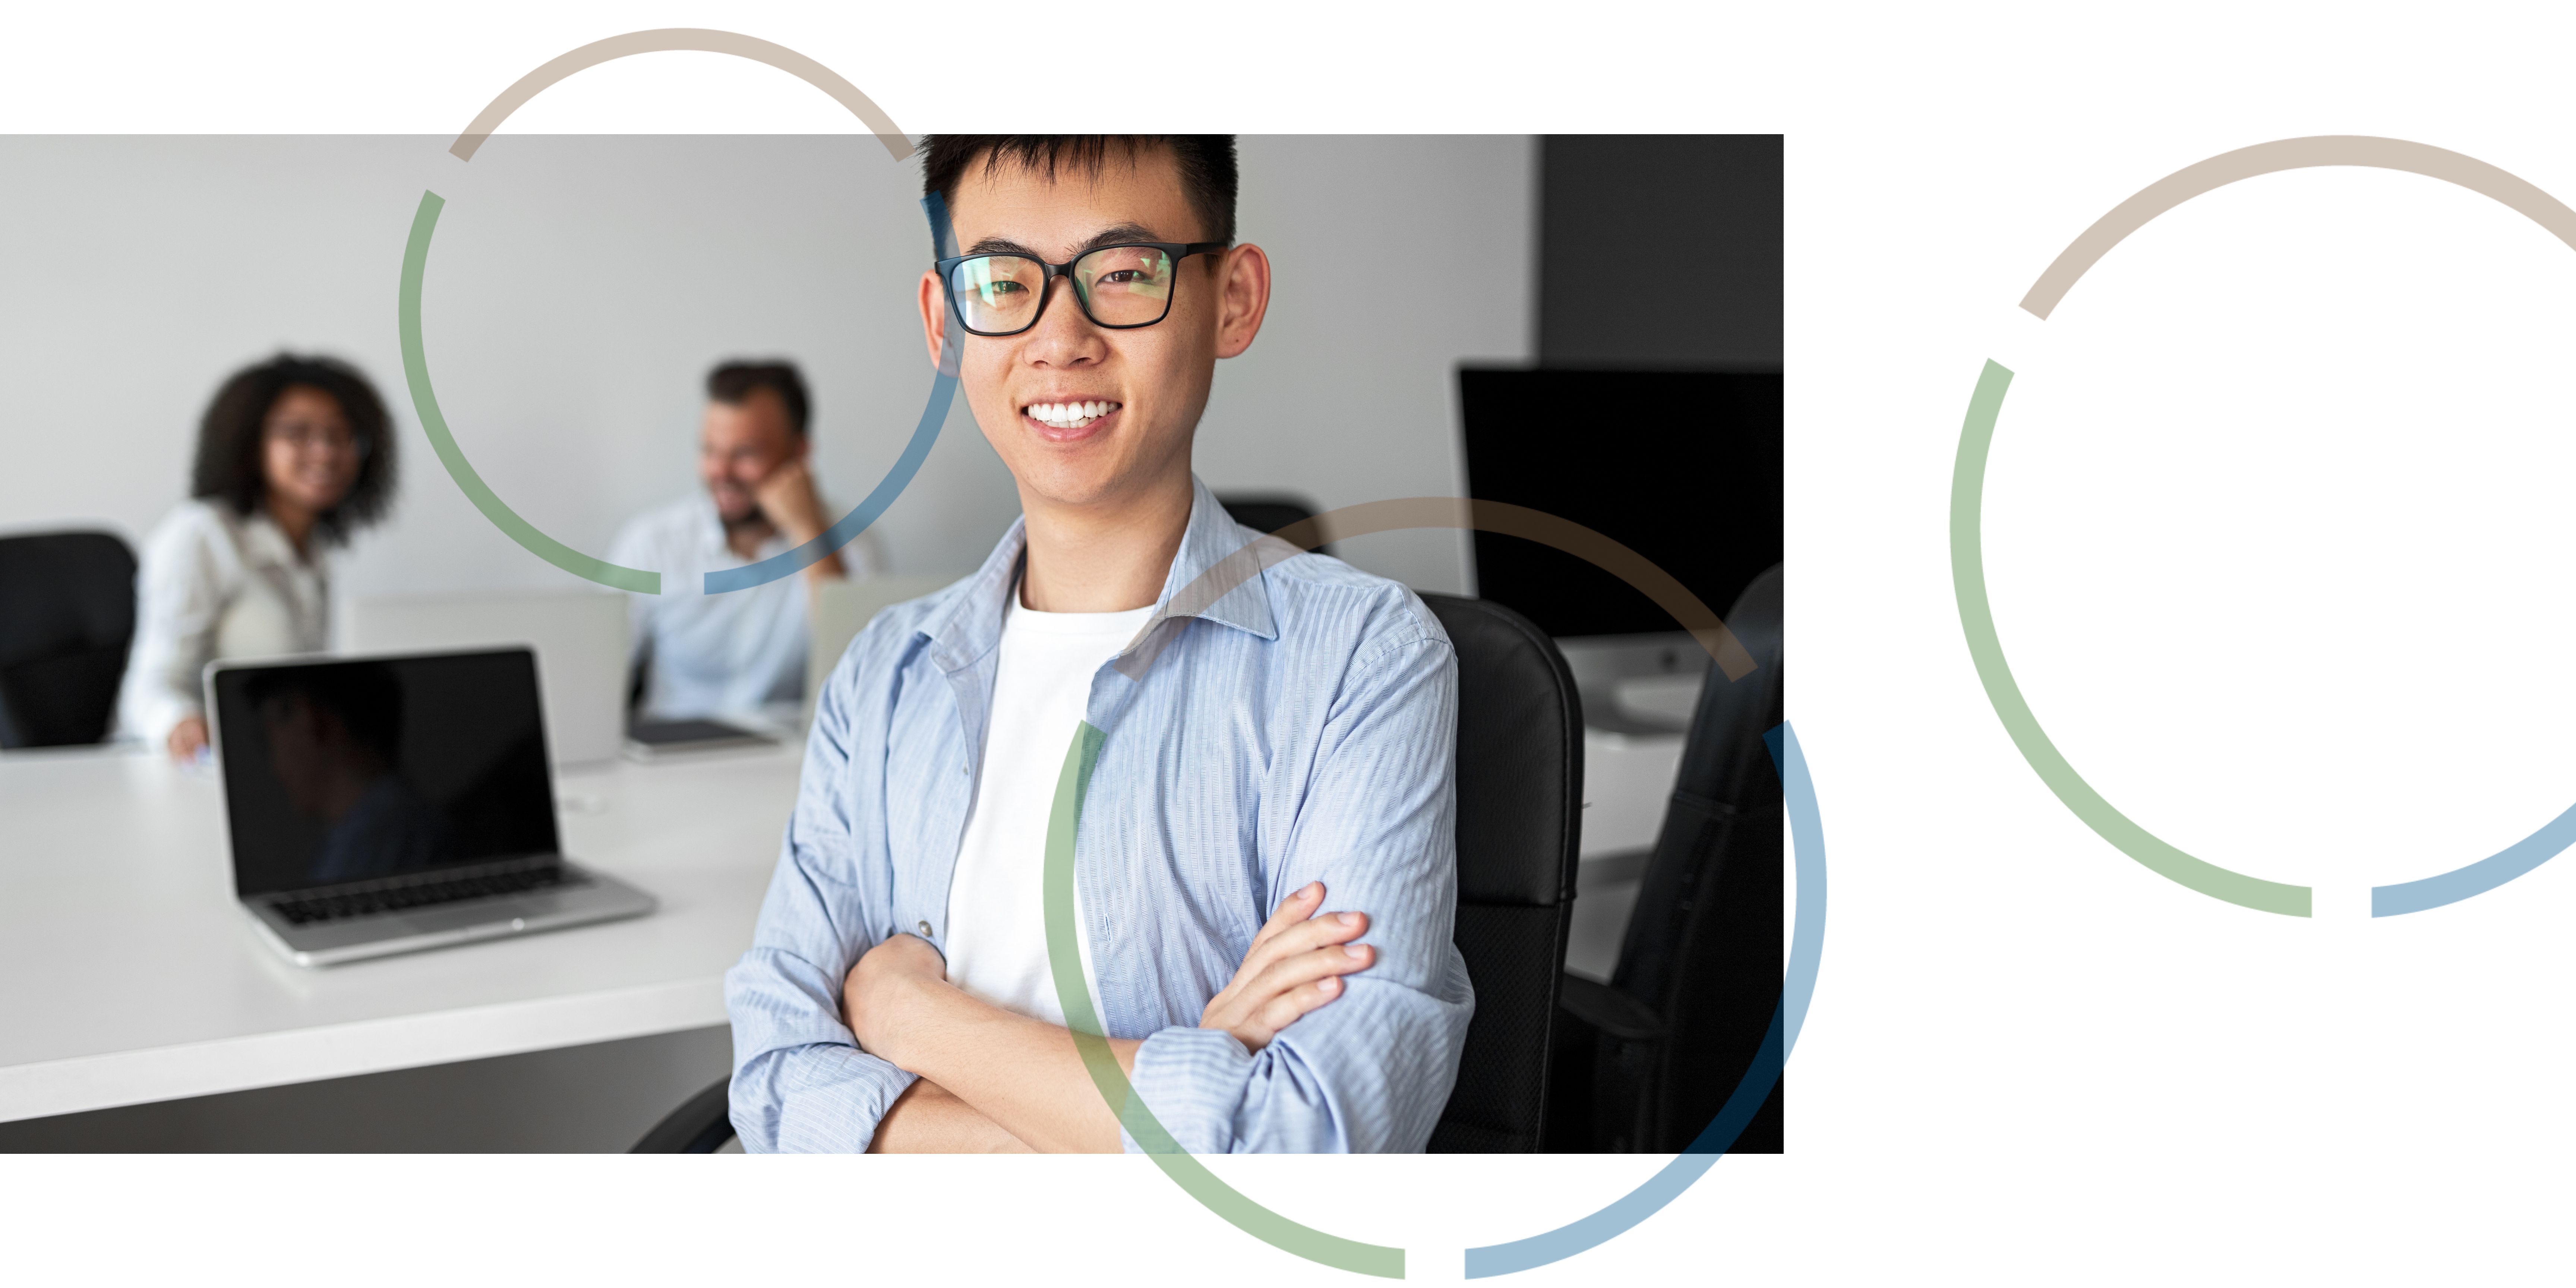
(1611, 1012)
(701, 1126)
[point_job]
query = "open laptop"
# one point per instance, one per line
(580, 637)
(381, 805)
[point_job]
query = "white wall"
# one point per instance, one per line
(579, 287)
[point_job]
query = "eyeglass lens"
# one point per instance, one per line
(1118, 286)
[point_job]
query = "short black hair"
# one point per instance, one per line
(366, 697)
(733, 384)
(1206, 163)
(229, 438)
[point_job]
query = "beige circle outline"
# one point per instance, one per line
(2369, 151)
(704, 40)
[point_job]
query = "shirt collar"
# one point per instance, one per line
(971, 625)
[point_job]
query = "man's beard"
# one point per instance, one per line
(750, 516)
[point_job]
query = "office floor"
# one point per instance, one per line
(586, 1099)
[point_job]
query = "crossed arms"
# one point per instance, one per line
(990, 1081)
(840, 1019)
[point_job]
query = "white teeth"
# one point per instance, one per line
(1067, 415)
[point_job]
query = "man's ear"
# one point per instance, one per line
(1243, 297)
(934, 313)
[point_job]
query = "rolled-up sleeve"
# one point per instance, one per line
(800, 1081)
(1372, 1069)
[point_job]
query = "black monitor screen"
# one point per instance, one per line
(347, 771)
(1682, 467)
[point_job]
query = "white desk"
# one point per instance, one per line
(129, 974)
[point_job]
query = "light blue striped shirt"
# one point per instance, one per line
(1300, 727)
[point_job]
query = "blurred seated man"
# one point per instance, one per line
(742, 650)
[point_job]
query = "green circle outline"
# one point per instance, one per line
(1985, 648)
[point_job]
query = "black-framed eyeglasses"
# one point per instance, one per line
(1118, 287)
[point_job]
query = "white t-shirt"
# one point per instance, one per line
(996, 941)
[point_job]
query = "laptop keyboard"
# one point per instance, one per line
(339, 907)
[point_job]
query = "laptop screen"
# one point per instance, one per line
(378, 767)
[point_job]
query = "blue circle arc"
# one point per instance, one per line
(2479, 877)
(1797, 988)
(925, 434)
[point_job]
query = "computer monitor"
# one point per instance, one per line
(1681, 466)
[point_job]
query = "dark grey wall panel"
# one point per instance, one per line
(1660, 250)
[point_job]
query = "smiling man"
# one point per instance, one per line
(1264, 867)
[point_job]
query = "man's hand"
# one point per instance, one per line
(1295, 965)
(788, 501)
(187, 738)
(887, 978)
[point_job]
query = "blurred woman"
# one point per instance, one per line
(294, 456)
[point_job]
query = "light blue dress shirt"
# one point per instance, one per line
(739, 651)
(1300, 727)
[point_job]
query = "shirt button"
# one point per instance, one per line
(923, 927)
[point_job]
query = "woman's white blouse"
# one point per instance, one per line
(215, 585)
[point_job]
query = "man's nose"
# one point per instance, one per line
(1063, 337)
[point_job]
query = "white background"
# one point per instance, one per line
(2278, 551)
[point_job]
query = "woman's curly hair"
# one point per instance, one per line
(229, 440)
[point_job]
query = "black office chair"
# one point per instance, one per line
(1650, 1057)
(1520, 777)
(1520, 821)
(1269, 512)
(66, 621)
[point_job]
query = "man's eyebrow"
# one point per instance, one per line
(1116, 234)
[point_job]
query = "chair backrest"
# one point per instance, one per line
(66, 620)
(1269, 512)
(1703, 946)
(1520, 780)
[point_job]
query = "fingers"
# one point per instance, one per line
(1290, 973)
(1298, 906)
(1289, 1007)
(1253, 993)
(1306, 936)
(1303, 937)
